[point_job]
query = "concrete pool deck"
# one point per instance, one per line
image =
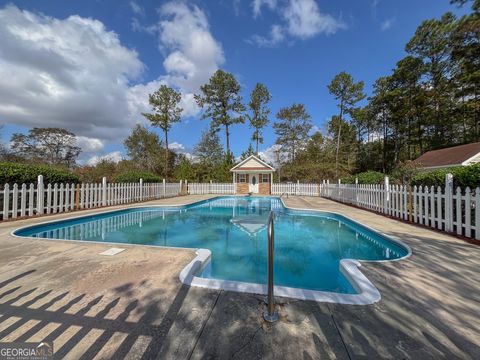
(132, 305)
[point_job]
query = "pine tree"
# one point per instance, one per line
(259, 99)
(292, 128)
(222, 102)
(166, 112)
(348, 94)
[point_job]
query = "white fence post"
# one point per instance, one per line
(104, 191)
(40, 194)
(448, 202)
(164, 189)
(356, 190)
(477, 213)
(386, 196)
(141, 189)
(210, 188)
(6, 201)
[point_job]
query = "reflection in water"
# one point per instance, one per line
(308, 247)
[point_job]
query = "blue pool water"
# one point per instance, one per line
(308, 245)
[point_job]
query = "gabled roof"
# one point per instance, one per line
(456, 155)
(258, 164)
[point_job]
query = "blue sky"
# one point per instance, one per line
(88, 65)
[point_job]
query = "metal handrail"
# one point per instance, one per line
(270, 314)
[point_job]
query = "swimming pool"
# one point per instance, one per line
(310, 246)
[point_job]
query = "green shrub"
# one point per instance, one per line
(25, 173)
(367, 177)
(463, 176)
(135, 176)
(431, 178)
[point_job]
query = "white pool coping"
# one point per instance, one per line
(367, 293)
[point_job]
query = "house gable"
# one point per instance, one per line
(252, 163)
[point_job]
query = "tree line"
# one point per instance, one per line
(430, 100)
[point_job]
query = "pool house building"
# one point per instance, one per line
(253, 175)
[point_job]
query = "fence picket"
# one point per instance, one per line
(23, 201)
(432, 206)
(468, 213)
(15, 201)
(30, 200)
(458, 220)
(439, 208)
(49, 198)
(477, 213)
(60, 204)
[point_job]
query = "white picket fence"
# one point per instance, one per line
(30, 200)
(211, 188)
(441, 208)
(301, 189)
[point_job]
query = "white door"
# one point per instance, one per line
(253, 183)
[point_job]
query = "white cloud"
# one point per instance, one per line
(181, 149)
(114, 156)
(387, 24)
(70, 73)
(176, 146)
(272, 154)
(302, 19)
(75, 74)
(258, 4)
(275, 37)
(193, 54)
(138, 99)
(305, 20)
(137, 8)
(90, 144)
(236, 7)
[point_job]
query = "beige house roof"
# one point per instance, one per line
(252, 163)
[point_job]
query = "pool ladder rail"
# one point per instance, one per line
(270, 315)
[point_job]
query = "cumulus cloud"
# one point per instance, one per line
(74, 73)
(302, 19)
(176, 146)
(90, 144)
(114, 156)
(305, 20)
(272, 154)
(70, 73)
(193, 54)
(182, 149)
